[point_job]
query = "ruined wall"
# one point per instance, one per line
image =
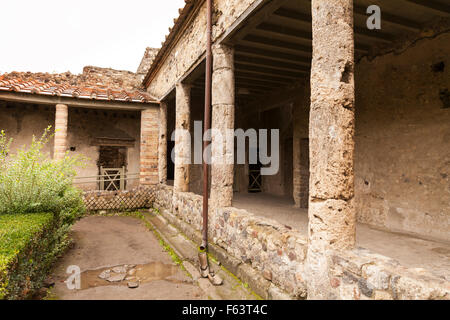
(146, 62)
(22, 121)
(268, 247)
(271, 257)
(402, 161)
(87, 124)
(280, 119)
(192, 43)
(91, 76)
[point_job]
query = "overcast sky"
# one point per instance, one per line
(66, 35)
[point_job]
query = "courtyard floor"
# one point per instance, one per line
(124, 249)
(102, 243)
(409, 251)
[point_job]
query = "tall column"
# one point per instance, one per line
(182, 137)
(223, 108)
(296, 156)
(162, 150)
(332, 119)
(61, 121)
(149, 146)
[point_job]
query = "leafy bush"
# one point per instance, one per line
(30, 241)
(32, 182)
(29, 244)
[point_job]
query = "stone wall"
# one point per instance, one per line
(402, 160)
(146, 62)
(273, 250)
(362, 275)
(22, 121)
(192, 43)
(272, 257)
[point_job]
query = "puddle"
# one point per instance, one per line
(140, 274)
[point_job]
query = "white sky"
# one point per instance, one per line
(66, 35)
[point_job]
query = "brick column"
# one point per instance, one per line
(223, 108)
(162, 150)
(182, 138)
(149, 146)
(331, 211)
(61, 121)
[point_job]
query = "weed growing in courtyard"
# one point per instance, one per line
(32, 182)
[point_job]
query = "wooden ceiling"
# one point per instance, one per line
(273, 45)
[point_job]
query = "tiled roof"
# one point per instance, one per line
(64, 89)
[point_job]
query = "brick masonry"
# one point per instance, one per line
(61, 122)
(149, 174)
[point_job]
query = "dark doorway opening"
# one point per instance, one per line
(254, 175)
(112, 164)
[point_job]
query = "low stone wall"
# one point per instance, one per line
(271, 249)
(362, 275)
(252, 246)
(138, 198)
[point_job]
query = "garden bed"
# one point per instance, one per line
(29, 244)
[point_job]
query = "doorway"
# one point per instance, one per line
(112, 164)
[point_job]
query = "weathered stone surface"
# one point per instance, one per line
(182, 137)
(116, 277)
(119, 269)
(351, 274)
(331, 212)
(133, 285)
(223, 108)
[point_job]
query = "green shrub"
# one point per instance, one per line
(29, 244)
(32, 182)
(30, 241)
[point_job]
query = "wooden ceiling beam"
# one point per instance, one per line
(273, 55)
(270, 63)
(270, 71)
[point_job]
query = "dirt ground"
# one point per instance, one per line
(102, 243)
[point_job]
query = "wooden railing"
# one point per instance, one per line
(110, 179)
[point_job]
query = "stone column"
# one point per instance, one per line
(162, 150)
(61, 121)
(149, 146)
(182, 137)
(223, 108)
(332, 120)
(296, 181)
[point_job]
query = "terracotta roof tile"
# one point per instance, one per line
(74, 91)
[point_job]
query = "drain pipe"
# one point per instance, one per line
(207, 124)
(203, 250)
